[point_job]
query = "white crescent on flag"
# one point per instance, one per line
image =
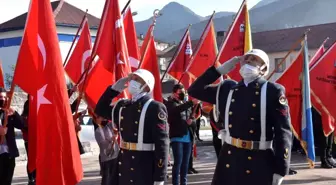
(85, 56)
(40, 93)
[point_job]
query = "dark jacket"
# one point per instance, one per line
(142, 167)
(178, 114)
(14, 121)
(243, 166)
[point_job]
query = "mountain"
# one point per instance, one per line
(271, 15)
(174, 17)
(221, 14)
(263, 3)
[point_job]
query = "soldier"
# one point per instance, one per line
(143, 130)
(255, 112)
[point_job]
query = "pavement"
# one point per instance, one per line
(205, 164)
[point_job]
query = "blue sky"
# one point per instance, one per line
(12, 8)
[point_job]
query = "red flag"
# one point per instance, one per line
(81, 55)
(182, 58)
(110, 43)
(146, 40)
(2, 81)
(328, 122)
(291, 79)
(206, 53)
(97, 81)
(150, 63)
(323, 80)
(40, 59)
(113, 61)
(131, 39)
(238, 40)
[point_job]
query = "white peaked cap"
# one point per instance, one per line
(147, 77)
(262, 55)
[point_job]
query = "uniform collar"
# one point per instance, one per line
(257, 83)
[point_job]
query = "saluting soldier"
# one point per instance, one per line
(143, 130)
(256, 118)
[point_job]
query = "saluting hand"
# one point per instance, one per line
(229, 65)
(121, 84)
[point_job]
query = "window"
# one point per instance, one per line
(282, 67)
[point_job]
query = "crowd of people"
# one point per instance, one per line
(250, 123)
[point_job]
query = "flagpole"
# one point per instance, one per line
(155, 15)
(125, 7)
(85, 74)
(198, 45)
(229, 33)
(73, 42)
(174, 56)
(293, 47)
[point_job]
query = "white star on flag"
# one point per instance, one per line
(40, 97)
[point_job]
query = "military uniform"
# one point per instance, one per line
(257, 123)
(143, 132)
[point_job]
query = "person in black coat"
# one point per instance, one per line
(255, 114)
(143, 130)
(8, 148)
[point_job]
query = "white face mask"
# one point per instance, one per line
(134, 88)
(249, 72)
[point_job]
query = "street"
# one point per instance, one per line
(205, 164)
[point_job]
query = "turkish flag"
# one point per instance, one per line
(291, 80)
(150, 63)
(131, 39)
(2, 81)
(323, 82)
(237, 41)
(206, 53)
(57, 154)
(108, 70)
(181, 61)
(81, 55)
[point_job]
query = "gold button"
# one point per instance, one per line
(135, 134)
(132, 169)
(136, 122)
(227, 166)
(121, 117)
(254, 105)
(131, 180)
(121, 129)
(236, 89)
(119, 174)
(251, 131)
(133, 157)
(119, 163)
(229, 152)
(139, 110)
(230, 126)
(230, 113)
(252, 119)
(233, 100)
(248, 171)
(249, 158)
(257, 93)
(122, 151)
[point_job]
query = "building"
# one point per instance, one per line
(277, 43)
(67, 19)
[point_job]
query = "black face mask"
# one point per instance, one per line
(104, 123)
(181, 96)
(2, 103)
